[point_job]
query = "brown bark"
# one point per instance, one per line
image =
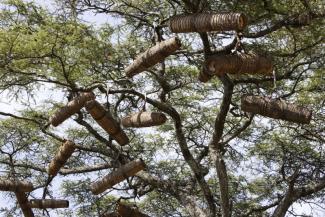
(61, 157)
(153, 56)
(205, 22)
(124, 210)
(71, 108)
(144, 119)
(250, 63)
(12, 185)
(48, 203)
(23, 203)
(125, 171)
(107, 122)
(276, 108)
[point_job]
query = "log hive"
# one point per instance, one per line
(122, 173)
(204, 22)
(71, 108)
(107, 122)
(153, 56)
(144, 119)
(48, 204)
(276, 108)
(250, 63)
(61, 157)
(124, 210)
(23, 203)
(12, 185)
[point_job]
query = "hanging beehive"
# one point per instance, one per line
(23, 203)
(64, 153)
(107, 122)
(144, 119)
(153, 56)
(48, 204)
(117, 176)
(12, 185)
(124, 210)
(250, 63)
(276, 108)
(204, 22)
(71, 108)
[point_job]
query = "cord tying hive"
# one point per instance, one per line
(276, 108)
(117, 176)
(144, 119)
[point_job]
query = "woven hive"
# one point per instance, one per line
(117, 176)
(250, 63)
(204, 22)
(23, 203)
(153, 56)
(276, 108)
(107, 122)
(48, 204)
(144, 119)
(61, 157)
(12, 185)
(124, 210)
(71, 108)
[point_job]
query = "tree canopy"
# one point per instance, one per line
(210, 158)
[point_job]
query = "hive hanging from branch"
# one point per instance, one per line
(12, 185)
(117, 176)
(205, 22)
(276, 108)
(48, 204)
(23, 203)
(124, 210)
(144, 119)
(153, 56)
(64, 153)
(250, 63)
(71, 108)
(107, 122)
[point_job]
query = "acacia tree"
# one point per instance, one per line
(210, 158)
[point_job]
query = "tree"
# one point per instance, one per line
(210, 158)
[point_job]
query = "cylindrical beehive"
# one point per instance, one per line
(71, 108)
(153, 56)
(117, 176)
(107, 122)
(61, 157)
(48, 204)
(144, 119)
(23, 203)
(12, 185)
(204, 22)
(276, 108)
(124, 210)
(250, 63)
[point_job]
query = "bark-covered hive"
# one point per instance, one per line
(48, 203)
(117, 176)
(64, 153)
(204, 22)
(13, 185)
(107, 122)
(71, 108)
(276, 108)
(153, 56)
(144, 119)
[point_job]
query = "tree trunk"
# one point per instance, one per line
(23, 203)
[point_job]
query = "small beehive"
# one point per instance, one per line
(204, 22)
(144, 119)
(48, 204)
(124, 210)
(107, 122)
(153, 56)
(250, 63)
(61, 157)
(23, 203)
(276, 108)
(12, 185)
(71, 108)
(117, 176)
